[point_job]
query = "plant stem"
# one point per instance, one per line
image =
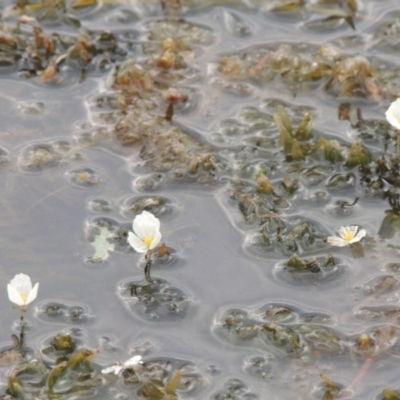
(148, 266)
(22, 333)
(398, 143)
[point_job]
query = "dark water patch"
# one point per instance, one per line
(237, 325)
(282, 330)
(157, 205)
(99, 205)
(310, 271)
(285, 313)
(298, 235)
(392, 267)
(62, 313)
(260, 367)
(379, 313)
(166, 258)
(55, 349)
(235, 389)
(379, 286)
(155, 300)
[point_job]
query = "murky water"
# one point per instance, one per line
(253, 130)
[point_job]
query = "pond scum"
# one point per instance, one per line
(262, 160)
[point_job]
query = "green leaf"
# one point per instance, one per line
(304, 130)
(389, 394)
(284, 124)
(174, 382)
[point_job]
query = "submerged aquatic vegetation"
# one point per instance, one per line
(347, 235)
(285, 164)
(72, 375)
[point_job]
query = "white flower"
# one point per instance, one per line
(146, 232)
(348, 235)
(20, 290)
(393, 114)
(117, 369)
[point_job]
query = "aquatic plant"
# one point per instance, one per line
(348, 235)
(146, 232)
(20, 291)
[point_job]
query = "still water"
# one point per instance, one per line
(253, 130)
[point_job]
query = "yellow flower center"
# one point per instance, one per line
(147, 240)
(347, 236)
(24, 296)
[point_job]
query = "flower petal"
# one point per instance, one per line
(14, 296)
(393, 114)
(22, 283)
(348, 230)
(336, 241)
(133, 361)
(115, 369)
(155, 241)
(137, 243)
(145, 224)
(32, 294)
(359, 236)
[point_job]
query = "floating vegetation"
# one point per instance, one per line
(63, 313)
(301, 336)
(84, 177)
(303, 67)
(235, 389)
(175, 100)
(155, 300)
(72, 376)
(165, 378)
(157, 205)
(39, 157)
